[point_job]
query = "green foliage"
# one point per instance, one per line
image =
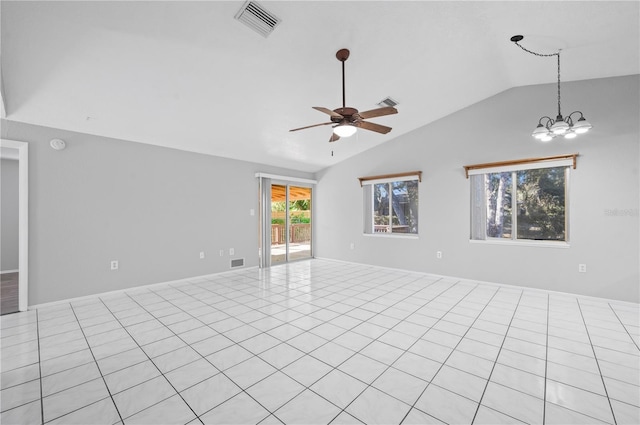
(539, 202)
(299, 218)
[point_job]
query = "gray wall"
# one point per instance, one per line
(497, 129)
(9, 215)
(153, 209)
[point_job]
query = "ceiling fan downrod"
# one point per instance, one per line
(343, 55)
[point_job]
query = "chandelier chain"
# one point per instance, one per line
(546, 55)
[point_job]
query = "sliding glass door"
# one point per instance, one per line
(290, 223)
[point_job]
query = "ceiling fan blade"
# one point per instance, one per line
(310, 126)
(334, 137)
(373, 127)
(388, 110)
(327, 111)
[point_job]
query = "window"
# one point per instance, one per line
(523, 202)
(391, 204)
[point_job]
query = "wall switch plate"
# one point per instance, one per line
(582, 268)
(352, 245)
(252, 212)
(201, 255)
(231, 251)
(439, 255)
(114, 264)
(222, 252)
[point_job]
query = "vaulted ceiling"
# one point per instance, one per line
(187, 75)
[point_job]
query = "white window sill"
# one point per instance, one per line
(539, 244)
(392, 235)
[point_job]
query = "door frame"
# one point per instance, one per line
(265, 180)
(22, 150)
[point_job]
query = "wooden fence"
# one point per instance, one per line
(298, 233)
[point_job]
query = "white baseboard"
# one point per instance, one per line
(9, 271)
(134, 288)
(506, 285)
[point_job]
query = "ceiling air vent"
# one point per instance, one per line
(257, 18)
(387, 102)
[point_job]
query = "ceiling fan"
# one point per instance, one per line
(347, 120)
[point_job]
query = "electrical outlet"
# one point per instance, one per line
(231, 251)
(582, 268)
(439, 255)
(222, 252)
(352, 245)
(201, 255)
(114, 264)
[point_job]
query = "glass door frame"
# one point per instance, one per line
(265, 181)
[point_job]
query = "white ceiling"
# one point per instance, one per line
(187, 75)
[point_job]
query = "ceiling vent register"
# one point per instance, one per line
(387, 102)
(257, 18)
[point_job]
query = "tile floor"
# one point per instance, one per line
(320, 342)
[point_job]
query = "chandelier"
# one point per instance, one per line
(548, 128)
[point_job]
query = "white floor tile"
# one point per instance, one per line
(72, 399)
(513, 403)
(446, 406)
(135, 399)
(19, 394)
(30, 413)
(520, 380)
(240, 410)
(206, 395)
(69, 378)
(100, 412)
(307, 408)
(418, 366)
(558, 415)
(170, 411)
(404, 387)
(357, 335)
(460, 382)
(579, 400)
(363, 368)
(339, 388)
(625, 413)
(376, 407)
(488, 416)
(249, 372)
(307, 370)
(275, 390)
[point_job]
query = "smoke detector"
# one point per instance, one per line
(57, 144)
(257, 18)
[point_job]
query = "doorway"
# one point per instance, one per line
(290, 223)
(14, 220)
(286, 219)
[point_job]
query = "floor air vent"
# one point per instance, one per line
(238, 262)
(257, 18)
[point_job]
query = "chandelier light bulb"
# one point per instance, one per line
(546, 138)
(559, 127)
(582, 126)
(345, 130)
(570, 135)
(540, 132)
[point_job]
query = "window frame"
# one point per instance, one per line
(368, 185)
(513, 167)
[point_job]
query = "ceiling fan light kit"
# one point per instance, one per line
(347, 120)
(548, 128)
